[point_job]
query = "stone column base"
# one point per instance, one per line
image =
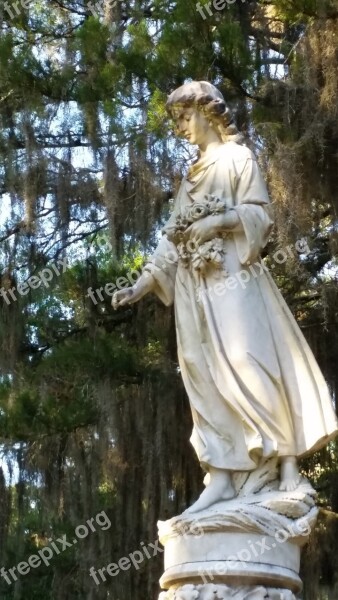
(247, 548)
(223, 592)
(231, 558)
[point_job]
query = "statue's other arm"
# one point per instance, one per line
(253, 211)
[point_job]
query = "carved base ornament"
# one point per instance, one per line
(224, 592)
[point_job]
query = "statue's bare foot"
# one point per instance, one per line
(218, 488)
(289, 474)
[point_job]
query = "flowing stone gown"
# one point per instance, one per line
(254, 386)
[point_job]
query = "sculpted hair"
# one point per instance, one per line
(207, 99)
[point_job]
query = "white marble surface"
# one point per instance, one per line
(252, 539)
(254, 386)
(256, 392)
(223, 592)
(258, 508)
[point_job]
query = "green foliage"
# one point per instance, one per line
(299, 11)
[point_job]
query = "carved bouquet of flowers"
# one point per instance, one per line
(208, 255)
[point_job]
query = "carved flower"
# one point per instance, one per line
(209, 254)
(187, 592)
(183, 254)
(183, 222)
(198, 211)
(274, 594)
(217, 206)
(212, 592)
(256, 594)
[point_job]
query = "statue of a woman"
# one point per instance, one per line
(254, 386)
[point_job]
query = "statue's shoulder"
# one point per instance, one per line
(235, 157)
(237, 152)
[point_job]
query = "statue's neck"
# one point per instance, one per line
(209, 148)
(205, 161)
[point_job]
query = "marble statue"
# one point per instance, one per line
(258, 399)
(253, 384)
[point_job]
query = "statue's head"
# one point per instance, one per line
(207, 100)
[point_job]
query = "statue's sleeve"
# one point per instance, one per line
(253, 208)
(163, 266)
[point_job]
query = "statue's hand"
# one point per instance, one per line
(211, 227)
(204, 229)
(130, 295)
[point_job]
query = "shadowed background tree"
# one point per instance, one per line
(93, 415)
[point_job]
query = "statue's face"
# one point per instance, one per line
(192, 125)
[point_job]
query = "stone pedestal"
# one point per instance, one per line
(247, 548)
